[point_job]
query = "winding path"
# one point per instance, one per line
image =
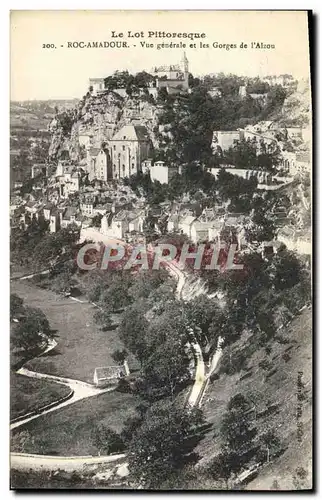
(81, 390)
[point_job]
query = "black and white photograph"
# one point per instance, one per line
(160, 250)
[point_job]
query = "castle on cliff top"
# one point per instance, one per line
(174, 78)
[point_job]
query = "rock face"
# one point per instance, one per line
(297, 107)
(99, 117)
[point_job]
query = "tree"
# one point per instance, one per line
(146, 282)
(301, 479)
(270, 441)
(220, 468)
(286, 270)
(166, 369)
(102, 316)
(269, 157)
(119, 355)
(243, 154)
(162, 95)
(115, 295)
(96, 220)
(16, 305)
(55, 245)
(20, 441)
(132, 331)
(163, 444)
(275, 485)
(143, 79)
(31, 332)
(238, 432)
(132, 424)
(202, 312)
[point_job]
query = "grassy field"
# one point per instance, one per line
(275, 389)
(69, 431)
(82, 345)
(87, 479)
(28, 394)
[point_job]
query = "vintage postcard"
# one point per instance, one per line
(160, 250)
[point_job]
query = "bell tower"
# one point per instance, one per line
(185, 63)
(185, 69)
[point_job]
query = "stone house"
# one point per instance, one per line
(87, 204)
(70, 215)
(185, 224)
(294, 133)
(48, 207)
(120, 224)
(110, 375)
(125, 222)
(97, 85)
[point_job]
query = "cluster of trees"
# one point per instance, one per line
(36, 248)
(20, 163)
(23, 241)
(162, 444)
(241, 442)
(190, 119)
(189, 122)
(132, 83)
(200, 184)
(29, 330)
(235, 112)
(113, 291)
(263, 295)
(154, 328)
(247, 154)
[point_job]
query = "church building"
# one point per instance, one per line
(128, 148)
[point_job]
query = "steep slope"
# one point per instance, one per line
(270, 378)
(297, 106)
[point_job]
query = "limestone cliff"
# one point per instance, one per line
(99, 117)
(297, 106)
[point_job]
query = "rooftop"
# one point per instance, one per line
(131, 133)
(94, 151)
(108, 372)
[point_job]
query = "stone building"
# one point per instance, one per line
(174, 78)
(97, 85)
(110, 375)
(98, 164)
(161, 172)
(128, 148)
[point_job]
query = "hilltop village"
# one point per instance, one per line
(119, 134)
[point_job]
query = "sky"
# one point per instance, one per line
(39, 72)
